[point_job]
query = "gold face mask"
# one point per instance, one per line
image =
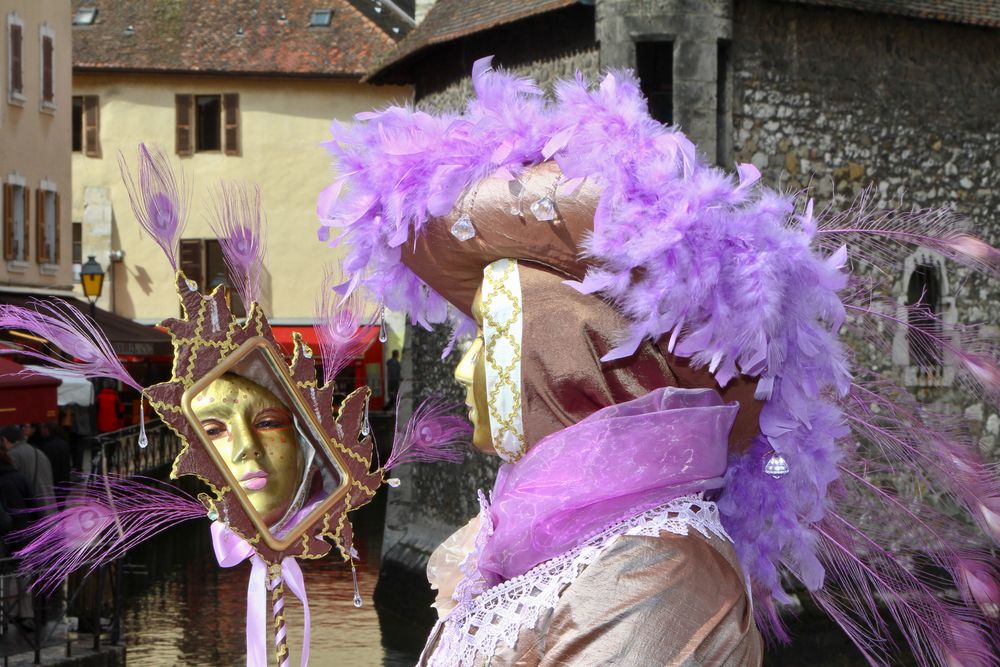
(255, 435)
(471, 374)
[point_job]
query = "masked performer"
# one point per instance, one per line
(658, 366)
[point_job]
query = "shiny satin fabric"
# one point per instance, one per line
(676, 600)
(454, 268)
(565, 334)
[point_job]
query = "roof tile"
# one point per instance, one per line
(232, 36)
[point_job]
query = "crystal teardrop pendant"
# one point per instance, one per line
(366, 427)
(357, 591)
(383, 330)
(544, 209)
(143, 438)
(463, 229)
(776, 466)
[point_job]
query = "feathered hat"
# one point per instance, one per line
(736, 281)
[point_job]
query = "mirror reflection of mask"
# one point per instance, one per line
(255, 435)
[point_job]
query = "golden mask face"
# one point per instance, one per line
(254, 434)
(471, 373)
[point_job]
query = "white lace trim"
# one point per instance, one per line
(470, 634)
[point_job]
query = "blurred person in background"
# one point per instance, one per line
(109, 409)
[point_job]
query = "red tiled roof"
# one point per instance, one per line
(264, 37)
(451, 19)
(973, 12)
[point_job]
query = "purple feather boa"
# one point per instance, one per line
(725, 269)
(728, 270)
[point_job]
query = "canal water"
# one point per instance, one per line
(183, 609)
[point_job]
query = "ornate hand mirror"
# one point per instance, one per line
(283, 471)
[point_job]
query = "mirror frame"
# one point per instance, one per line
(275, 362)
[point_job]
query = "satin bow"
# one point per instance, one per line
(231, 550)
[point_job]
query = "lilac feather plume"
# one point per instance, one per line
(339, 322)
(87, 350)
(239, 224)
(434, 433)
(159, 199)
(101, 518)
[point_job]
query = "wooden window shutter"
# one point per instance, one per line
(26, 227)
(8, 221)
(40, 226)
(48, 87)
(185, 124)
(193, 260)
(58, 255)
(16, 67)
(231, 112)
(92, 126)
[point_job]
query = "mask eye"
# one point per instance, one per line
(214, 428)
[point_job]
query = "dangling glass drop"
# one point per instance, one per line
(544, 209)
(213, 514)
(143, 440)
(463, 229)
(357, 591)
(394, 482)
(366, 426)
(383, 330)
(777, 466)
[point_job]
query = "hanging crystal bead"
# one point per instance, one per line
(307, 351)
(394, 482)
(357, 591)
(143, 438)
(213, 515)
(383, 330)
(777, 466)
(544, 209)
(366, 427)
(463, 229)
(192, 285)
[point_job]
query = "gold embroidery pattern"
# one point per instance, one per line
(501, 314)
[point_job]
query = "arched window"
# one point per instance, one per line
(924, 299)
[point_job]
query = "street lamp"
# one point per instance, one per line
(92, 281)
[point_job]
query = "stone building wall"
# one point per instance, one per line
(836, 101)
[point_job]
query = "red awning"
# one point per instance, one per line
(283, 334)
(26, 398)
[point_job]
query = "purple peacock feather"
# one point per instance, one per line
(434, 433)
(101, 518)
(239, 224)
(87, 350)
(339, 322)
(159, 199)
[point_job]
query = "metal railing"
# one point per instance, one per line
(119, 453)
(84, 604)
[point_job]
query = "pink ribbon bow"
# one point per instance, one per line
(231, 550)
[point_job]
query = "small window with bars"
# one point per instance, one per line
(923, 302)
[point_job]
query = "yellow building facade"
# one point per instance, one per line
(277, 126)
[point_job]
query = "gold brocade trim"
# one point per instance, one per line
(501, 309)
